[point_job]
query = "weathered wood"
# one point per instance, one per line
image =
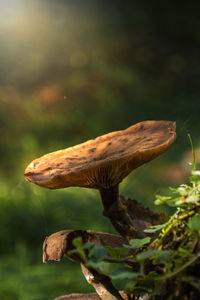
(130, 217)
(58, 244)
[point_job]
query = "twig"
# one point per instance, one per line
(101, 284)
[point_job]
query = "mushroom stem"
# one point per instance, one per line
(101, 284)
(109, 197)
(118, 213)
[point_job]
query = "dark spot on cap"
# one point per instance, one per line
(75, 158)
(92, 150)
(77, 168)
(121, 151)
(58, 165)
(142, 127)
(47, 169)
(124, 140)
(109, 143)
(70, 164)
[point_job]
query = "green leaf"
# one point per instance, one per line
(194, 223)
(71, 252)
(99, 266)
(183, 189)
(124, 274)
(98, 252)
(192, 199)
(138, 243)
(77, 242)
(163, 257)
(117, 252)
(103, 267)
(194, 178)
(161, 199)
(158, 256)
(78, 251)
(147, 254)
(155, 228)
(88, 245)
(173, 190)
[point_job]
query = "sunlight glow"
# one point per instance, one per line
(10, 10)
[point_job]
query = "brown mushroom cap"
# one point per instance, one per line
(92, 296)
(102, 162)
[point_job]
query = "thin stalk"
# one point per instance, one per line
(187, 264)
(193, 154)
(175, 222)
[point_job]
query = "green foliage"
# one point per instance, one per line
(138, 243)
(167, 260)
(80, 248)
(184, 196)
(194, 223)
(27, 215)
(117, 252)
(24, 279)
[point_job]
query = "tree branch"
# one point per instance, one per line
(102, 284)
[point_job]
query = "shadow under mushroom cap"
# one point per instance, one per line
(102, 162)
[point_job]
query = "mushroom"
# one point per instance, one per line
(102, 163)
(92, 296)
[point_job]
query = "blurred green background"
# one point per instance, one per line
(70, 71)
